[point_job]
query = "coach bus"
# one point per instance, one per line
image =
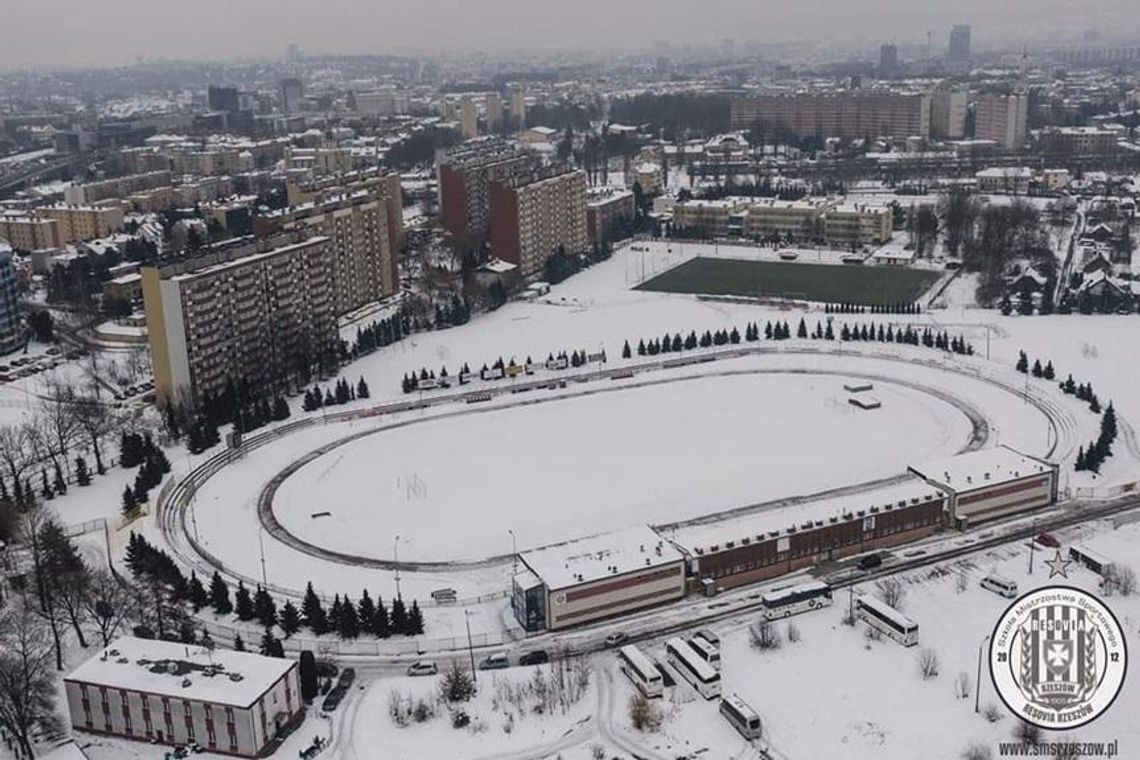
(794, 600)
(638, 669)
(1088, 559)
(706, 650)
(887, 620)
(700, 675)
(742, 717)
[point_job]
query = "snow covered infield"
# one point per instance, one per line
(553, 471)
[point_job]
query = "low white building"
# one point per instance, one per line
(228, 702)
(597, 577)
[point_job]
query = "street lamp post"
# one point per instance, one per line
(978, 680)
(261, 545)
(396, 561)
(514, 553)
(470, 647)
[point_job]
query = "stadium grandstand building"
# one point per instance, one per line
(789, 536)
(595, 578)
(983, 485)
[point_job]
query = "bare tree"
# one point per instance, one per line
(643, 714)
(891, 591)
(57, 420)
(107, 604)
(96, 421)
(962, 685)
(16, 451)
(793, 633)
(1027, 733)
(27, 684)
(46, 607)
(960, 583)
(929, 663)
(765, 636)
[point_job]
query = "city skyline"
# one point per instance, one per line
(260, 30)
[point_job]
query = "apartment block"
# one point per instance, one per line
(948, 113)
(1001, 118)
(534, 217)
(29, 233)
(11, 329)
(260, 312)
(1079, 141)
(852, 224)
(606, 207)
(84, 222)
(847, 115)
(465, 177)
(364, 262)
(118, 187)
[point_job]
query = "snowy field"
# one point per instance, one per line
(553, 471)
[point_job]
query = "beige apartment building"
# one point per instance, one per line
(364, 263)
(118, 187)
(948, 108)
(261, 312)
(85, 222)
(848, 114)
(809, 219)
(29, 233)
(532, 218)
(1001, 118)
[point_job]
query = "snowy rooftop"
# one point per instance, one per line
(979, 469)
(595, 557)
(779, 516)
(163, 667)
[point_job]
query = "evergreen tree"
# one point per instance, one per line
(1049, 372)
(362, 390)
(828, 333)
(313, 612)
(768, 331)
(349, 622)
(381, 625)
(264, 608)
(626, 351)
(801, 331)
(1022, 362)
(270, 646)
(196, 592)
(415, 620)
(290, 619)
(641, 348)
(1038, 371)
(239, 644)
(399, 618)
(1094, 404)
(366, 612)
(1108, 427)
(220, 595)
(82, 474)
(243, 603)
(129, 501)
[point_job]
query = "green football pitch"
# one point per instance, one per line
(827, 283)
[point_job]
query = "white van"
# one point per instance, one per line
(999, 585)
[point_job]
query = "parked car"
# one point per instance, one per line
(870, 562)
(1048, 539)
(333, 700)
(495, 661)
(537, 657)
(422, 668)
(616, 639)
(347, 676)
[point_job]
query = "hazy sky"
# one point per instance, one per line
(37, 33)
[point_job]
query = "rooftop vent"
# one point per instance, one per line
(185, 683)
(235, 677)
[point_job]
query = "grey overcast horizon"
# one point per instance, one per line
(76, 33)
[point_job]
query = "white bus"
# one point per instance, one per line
(999, 585)
(886, 619)
(742, 717)
(700, 675)
(641, 671)
(794, 600)
(706, 650)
